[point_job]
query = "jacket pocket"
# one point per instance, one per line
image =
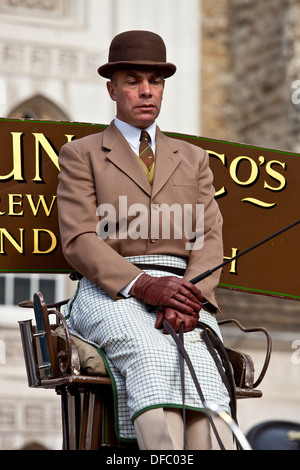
(188, 182)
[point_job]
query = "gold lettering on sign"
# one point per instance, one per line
(253, 173)
(222, 157)
(35, 208)
(18, 245)
(4, 234)
(255, 170)
(233, 264)
(41, 240)
(12, 203)
(275, 175)
(16, 172)
(36, 241)
(40, 142)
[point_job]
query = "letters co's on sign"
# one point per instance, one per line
(257, 190)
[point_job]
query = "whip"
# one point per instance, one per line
(242, 253)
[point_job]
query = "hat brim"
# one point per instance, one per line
(166, 68)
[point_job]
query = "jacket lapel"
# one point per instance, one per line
(167, 160)
(121, 155)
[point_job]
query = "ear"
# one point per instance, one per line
(111, 90)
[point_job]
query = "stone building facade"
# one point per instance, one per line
(250, 61)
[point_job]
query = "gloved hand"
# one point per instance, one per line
(176, 318)
(168, 291)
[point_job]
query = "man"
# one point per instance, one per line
(135, 264)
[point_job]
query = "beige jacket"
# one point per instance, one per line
(99, 168)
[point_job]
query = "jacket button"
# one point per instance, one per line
(153, 240)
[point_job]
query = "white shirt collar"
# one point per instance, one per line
(132, 134)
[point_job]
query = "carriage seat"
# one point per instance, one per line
(75, 369)
(91, 362)
(85, 358)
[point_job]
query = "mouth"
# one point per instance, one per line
(146, 107)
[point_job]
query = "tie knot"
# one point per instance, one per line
(145, 136)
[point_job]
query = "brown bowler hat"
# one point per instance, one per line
(133, 49)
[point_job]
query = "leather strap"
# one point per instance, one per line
(183, 356)
(171, 269)
(181, 366)
(75, 276)
(214, 345)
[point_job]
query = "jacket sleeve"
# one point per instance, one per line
(210, 252)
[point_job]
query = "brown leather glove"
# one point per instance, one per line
(176, 318)
(168, 291)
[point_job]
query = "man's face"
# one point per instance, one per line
(138, 96)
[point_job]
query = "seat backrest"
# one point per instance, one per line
(48, 349)
(241, 360)
(47, 355)
(243, 368)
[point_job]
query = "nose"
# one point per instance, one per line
(145, 89)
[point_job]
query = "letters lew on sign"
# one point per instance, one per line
(257, 190)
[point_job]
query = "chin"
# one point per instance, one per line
(144, 123)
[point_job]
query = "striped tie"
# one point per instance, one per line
(146, 154)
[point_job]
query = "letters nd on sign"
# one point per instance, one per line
(256, 189)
